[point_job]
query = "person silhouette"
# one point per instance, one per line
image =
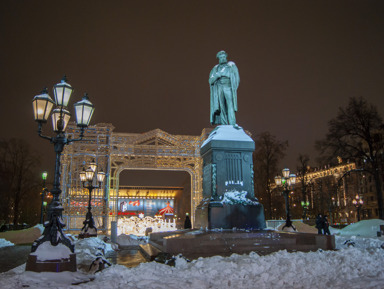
(319, 224)
(187, 223)
(326, 225)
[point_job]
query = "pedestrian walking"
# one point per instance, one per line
(187, 223)
(319, 224)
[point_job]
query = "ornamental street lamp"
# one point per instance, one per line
(44, 177)
(42, 106)
(305, 205)
(287, 181)
(357, 202)
(87, 177)
(333, 203)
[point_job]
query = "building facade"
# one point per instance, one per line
(331, 191)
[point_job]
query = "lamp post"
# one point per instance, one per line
(42, 106)
(357, 202)
(305, 205)
(333, 203)
(286, 182)
(44, 177)
(87, 177)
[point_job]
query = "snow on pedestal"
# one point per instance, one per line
(228, 133)
(235, 197)
(48, 252)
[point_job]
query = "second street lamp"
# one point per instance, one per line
(357, 202)
(44, 177)
(286, 182)
(87, 177)
(305, 205)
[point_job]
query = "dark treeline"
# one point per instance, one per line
(20, 183)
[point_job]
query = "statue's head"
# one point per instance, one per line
(222, 56)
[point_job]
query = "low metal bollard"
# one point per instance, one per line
(113, 231)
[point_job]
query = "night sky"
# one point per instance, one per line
(145, 64)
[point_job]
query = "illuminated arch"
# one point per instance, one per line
(116, 152)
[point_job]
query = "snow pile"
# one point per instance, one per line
(365, 228)
(40, 227)
(87, 250)
(5, 243)
(235, 197)
(55, 280)
(358, 242)
(346, 268)
(355, 266)
(131, 240)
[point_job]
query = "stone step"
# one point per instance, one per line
(149, 251)
(193, 243)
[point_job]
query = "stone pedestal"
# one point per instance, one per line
(213, 215)
(228, 188)
(58, 265)
(87, 235)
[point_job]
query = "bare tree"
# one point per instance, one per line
(18, 177)
(302, 171)
(356, 133)
(269, 151)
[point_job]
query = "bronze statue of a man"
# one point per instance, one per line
(224, 80)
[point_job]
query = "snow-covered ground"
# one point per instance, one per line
(358, 266)
(5, 243)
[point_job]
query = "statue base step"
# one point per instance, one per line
(193, 244)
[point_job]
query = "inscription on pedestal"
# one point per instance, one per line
(234, 168)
